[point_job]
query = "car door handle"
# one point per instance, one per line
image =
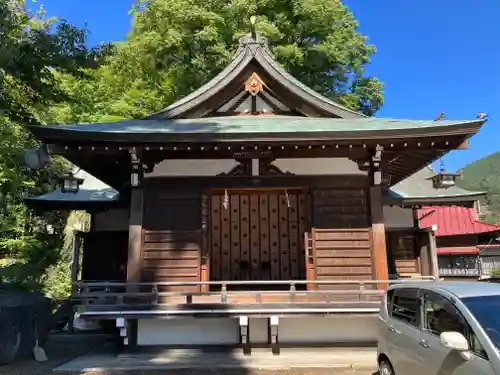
(424, 344)
(392, 329)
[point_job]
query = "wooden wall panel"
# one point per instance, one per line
(173, 236)
(171, 256)
(342, 254)
(403, 252)
(340, 208)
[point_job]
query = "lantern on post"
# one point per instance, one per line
(70, 183)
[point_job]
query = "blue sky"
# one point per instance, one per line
(433, 56)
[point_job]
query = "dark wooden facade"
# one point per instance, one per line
(222, 228)
(256, 221)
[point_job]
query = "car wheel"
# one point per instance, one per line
(385, 368)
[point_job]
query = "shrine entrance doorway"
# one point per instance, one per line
(258, 234)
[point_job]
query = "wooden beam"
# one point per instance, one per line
(464, 145)
(379, 247)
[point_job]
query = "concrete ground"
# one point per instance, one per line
(88, 354)
(294, 361)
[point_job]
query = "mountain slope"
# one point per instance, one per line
(484, 175)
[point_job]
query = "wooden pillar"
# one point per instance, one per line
(135, 236)
(205, 255)
(433, 254)
(135, 223)
(134, 239)
(75, 266)
(75, 270)
(423, 243)
(379, 246)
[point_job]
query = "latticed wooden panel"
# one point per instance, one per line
(257, 235)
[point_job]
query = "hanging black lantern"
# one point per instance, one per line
(70, 183)
(444, 180)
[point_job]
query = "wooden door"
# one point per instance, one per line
(257, 235)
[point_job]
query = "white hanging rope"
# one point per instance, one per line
(287, 198)
(225, 202)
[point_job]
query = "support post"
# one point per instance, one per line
(75, 270)
(134, 238)
(205, 256)
(425, 261)
(379, 246)
(274, 322)
(245, 335)
(135, 223)
(433, 253)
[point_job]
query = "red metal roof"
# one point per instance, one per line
(453, 220)
(469, 250)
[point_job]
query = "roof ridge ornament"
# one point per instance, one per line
(253, 19)
(253, 40)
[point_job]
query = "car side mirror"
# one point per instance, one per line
(456, 341)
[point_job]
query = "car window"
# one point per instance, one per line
(486, 311)
(406, 306)
(476, 347)
(441, 316)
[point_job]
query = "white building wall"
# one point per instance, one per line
(342, 328)
(398, 217)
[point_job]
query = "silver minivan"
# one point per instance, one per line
(445, 328)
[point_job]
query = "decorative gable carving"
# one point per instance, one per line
(254, 84)
(266, 168)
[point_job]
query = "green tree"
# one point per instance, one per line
(33, 50)
(484, 175)
(177, 45)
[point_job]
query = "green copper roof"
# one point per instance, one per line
(91, 190)
(268, 125)
(419, 187)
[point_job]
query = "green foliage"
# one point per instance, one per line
(177, 45)
(495, 272)
(33, 51)
(57, 283)
(47, 75)
(484, 175)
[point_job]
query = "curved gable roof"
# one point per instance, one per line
(253, 49)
